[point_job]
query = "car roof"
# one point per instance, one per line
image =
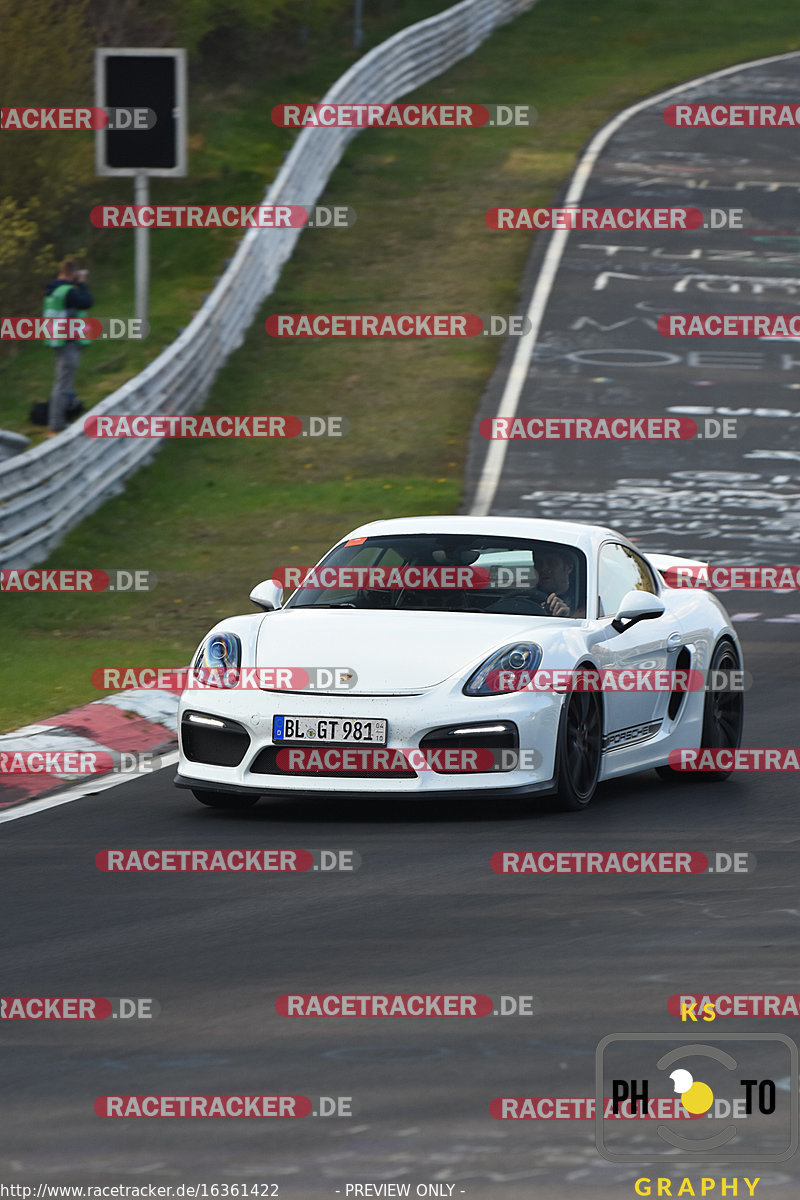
(587, 538)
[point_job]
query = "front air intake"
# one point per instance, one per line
(216, 741)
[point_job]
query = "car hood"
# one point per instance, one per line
(389, 651)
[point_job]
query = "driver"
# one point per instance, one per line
(555, 578)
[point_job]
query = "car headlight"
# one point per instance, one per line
(519, 661)
(218, 660)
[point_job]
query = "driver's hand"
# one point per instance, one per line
(557, 606)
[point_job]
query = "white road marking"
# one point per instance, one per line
(496, 453)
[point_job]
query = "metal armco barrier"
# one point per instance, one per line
(45, 492)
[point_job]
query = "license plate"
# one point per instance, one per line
(363, 731)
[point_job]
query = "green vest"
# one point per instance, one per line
(54, 305)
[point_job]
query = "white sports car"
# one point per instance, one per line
(430, 687)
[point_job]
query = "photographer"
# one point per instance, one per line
(65, 296)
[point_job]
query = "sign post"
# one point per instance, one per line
(141, 249)
(153, 79)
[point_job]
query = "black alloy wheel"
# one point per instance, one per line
(580, 746)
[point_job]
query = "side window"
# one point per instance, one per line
(621, 570)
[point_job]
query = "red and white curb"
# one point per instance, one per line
(134, 722)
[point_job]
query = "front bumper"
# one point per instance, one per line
(319, 789)
(410, 719)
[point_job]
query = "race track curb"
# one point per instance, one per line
(131, 722)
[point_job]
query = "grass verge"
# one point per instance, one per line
(212, 518)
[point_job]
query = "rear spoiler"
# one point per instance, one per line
(672, 569)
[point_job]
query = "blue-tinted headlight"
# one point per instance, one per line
(517, 664)
(218, 660)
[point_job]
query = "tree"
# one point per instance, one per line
(45, 60)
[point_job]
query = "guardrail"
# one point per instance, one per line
(46, 491)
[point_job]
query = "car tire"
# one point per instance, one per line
(723, 716)
(229, 800)
(579, 750)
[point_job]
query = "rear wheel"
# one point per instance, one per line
(723, 717)
(229, 800)
(580, 742)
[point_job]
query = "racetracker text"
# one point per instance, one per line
(597, 862)
(389, 1005)
(594, 218)
(202, 1106)
(578, 429)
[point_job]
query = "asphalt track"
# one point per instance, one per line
(425, 912)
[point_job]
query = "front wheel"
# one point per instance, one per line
(229, 800)
(723, 717)
(580, 741)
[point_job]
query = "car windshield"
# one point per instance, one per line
(449, 573)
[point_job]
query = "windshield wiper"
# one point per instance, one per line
(337, 604)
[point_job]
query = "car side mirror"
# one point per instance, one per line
(635, 607)
(267, 595)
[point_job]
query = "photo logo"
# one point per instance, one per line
(738, 1098)
(696, 1098)
(688, 1011)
